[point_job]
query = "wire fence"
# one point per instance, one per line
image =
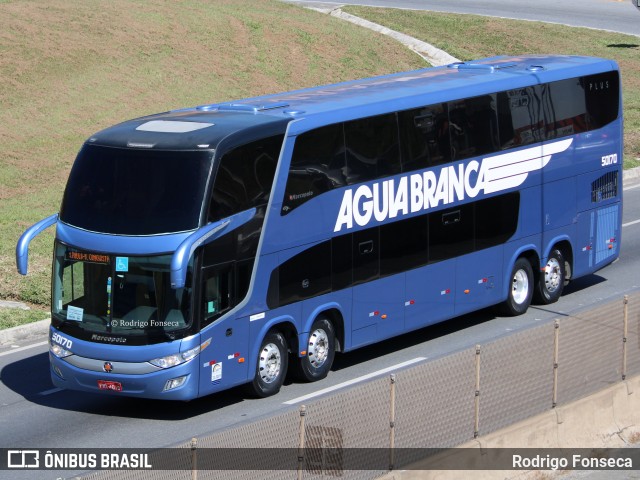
(385, 424)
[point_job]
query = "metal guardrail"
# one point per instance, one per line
(435, 405)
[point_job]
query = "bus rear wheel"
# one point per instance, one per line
(520, 289)
(271, 366)
(321, 350)
(552, 279)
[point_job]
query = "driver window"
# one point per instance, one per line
(217, 297)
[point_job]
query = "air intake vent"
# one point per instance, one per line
(242, 107)
(486, 67)
(605, 187)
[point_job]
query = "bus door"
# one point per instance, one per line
(222, 361)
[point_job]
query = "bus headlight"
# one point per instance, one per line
(175, 359)
(58, 351)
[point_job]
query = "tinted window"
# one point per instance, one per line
(425, 137)
(451, 233)
(473, 126)
(341, 267)
(564, 108)
(366, 255)
(519, 117)
(317, 166)
(306, 275)
(496, 219)
(602, 98)
(240, 243)
(372, 148)
(403, 245)
(244, 177)
(135, 191)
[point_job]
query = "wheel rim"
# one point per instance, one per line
(552, 275)
(520, 287)
(318, 350)
(270, 363)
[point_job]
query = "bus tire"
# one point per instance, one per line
(552, 279)
(271, 366)
(520, 289)
(320, 352)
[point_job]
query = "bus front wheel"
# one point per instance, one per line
(320, 352)
(520, 288)
(271, 366)
(552, 279)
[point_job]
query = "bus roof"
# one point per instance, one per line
(207, 126)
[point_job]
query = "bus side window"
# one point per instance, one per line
(244, 177)
(217, 292)
(425, 137)
(373, 148)
(366, 255)
(602, 93)
(451, 233)
(473, 126)
(564, 107)
(519, 117)
(317, 166)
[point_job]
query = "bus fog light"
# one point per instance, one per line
(175, 383)
(58, 371)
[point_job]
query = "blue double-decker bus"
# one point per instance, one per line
(233, 243)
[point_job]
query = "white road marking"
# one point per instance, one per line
(631, 187)
(26, 347)
(355, 380)
(630, 223)
(49, 392)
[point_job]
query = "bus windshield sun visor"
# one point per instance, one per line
(22, 248)
(202, 236)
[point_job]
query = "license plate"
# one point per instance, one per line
(108, 385)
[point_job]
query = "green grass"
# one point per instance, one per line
(69, 68)
(12, 317)
(469, 37)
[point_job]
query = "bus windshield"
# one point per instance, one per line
(114, 299)
(128, 191)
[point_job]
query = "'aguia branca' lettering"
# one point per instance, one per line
(426, 190)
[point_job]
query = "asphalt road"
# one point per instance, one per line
(615, 15)
(35, 414)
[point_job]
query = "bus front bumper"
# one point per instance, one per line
(176, 383)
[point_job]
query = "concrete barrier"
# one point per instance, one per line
(24, 332)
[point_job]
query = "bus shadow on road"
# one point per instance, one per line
(30, 378)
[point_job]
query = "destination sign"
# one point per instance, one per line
(88, 257)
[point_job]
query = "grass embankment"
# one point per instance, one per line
(469, 37)
(69, 68)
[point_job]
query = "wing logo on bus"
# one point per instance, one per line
(423, 191)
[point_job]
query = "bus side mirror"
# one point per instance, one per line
(202, 236)
(22, 248)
